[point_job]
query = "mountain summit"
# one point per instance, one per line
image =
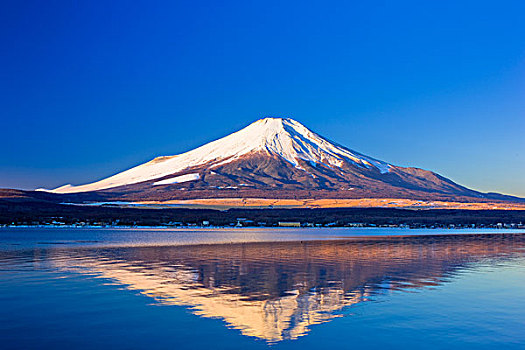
(272, 158)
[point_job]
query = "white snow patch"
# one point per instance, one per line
(178, 179)
(61, 189)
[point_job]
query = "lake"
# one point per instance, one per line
(155, 288)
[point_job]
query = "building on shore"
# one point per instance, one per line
(289, 224)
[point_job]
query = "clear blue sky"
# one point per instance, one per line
(90, 88)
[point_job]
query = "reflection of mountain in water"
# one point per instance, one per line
(275, 291)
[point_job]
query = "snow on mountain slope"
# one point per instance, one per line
(285, 138)
(178, 179)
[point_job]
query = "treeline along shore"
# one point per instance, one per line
(16, 212)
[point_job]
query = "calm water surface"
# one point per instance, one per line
(261, 288)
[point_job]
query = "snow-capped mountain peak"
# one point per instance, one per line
(284, 138)
(292, 141)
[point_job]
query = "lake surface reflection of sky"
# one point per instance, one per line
(439, 291)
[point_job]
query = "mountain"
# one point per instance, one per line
(272, 158)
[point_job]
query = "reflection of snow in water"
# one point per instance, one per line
(276, 291)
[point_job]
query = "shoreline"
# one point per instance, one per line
(210, 227)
